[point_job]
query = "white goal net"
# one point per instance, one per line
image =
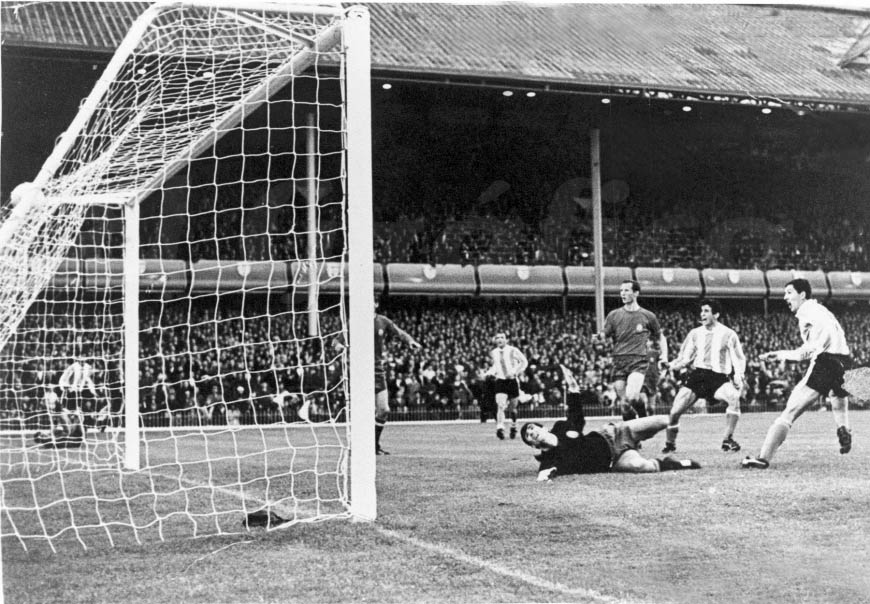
(175, 318)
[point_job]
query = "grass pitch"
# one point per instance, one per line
(462, 519)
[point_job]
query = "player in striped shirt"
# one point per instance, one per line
(825, 346)
(718, 366)
(76, 381)
(507, 363)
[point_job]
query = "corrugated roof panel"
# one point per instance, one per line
(80, 25)
(780, 52)
(725, 48)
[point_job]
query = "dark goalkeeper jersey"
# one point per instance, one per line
(576, 453)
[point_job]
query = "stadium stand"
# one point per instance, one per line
(442, 381)
(785, 194)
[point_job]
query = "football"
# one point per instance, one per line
(27, 195)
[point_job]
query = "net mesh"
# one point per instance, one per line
(227, 127)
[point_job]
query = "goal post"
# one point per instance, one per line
(192, 271)
(361, 279)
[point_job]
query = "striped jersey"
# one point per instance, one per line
(507, 361)
(78, 377)
(717, 349)
(820, 331)
(630, 331)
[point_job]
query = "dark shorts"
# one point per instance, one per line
(826, 374)
(620, 439)
(623, 366)
(509, 387)
(704, 383)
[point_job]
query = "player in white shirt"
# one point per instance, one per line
(75, 380)
(507, 365)
(718, 366)
(824, 344)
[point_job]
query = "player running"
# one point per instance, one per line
(828, 352)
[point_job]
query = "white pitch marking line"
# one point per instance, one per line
(442, 550)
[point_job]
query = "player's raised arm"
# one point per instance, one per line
(403, 335)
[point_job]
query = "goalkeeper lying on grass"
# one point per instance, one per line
(564, 449)
(68, 431)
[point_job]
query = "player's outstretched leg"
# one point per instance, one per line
(800, 399)
(776, 435)
(647, 427)
(633, 462)
(685, 398)
(669, 463)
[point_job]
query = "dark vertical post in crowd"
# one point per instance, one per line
(597, 236)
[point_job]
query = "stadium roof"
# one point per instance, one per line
(790, 54)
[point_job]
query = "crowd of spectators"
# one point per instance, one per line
(751, 202)
(219, 362)
(836, 243)
(804, 220)
(689, 240)
(744, 236)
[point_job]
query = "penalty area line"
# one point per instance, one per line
(530, 579)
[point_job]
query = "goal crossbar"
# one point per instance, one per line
(269, 87)
(330, 9)
(114, 198)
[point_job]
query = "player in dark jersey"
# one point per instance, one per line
(631, 329)
(564, 449)
(385, 328)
